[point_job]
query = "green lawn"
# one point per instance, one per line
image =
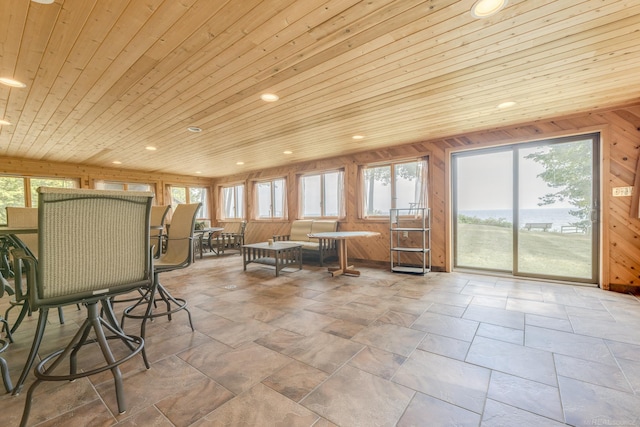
(549, 253)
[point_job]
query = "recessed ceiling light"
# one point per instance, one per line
(150, 148)
(4, 122)
(194, 129)
(43, 1)
(269, 97)
(357, 137)
(198, 172)
(485, 8)
(117, 162)
(507, 104)
(287, 152)
(239, 163)
(11, 82)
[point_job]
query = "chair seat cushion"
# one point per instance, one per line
(307, 246)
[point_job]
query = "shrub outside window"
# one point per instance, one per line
(393, 185)
(21, 191)
(191, 195)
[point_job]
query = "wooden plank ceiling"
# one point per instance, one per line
(107, 78)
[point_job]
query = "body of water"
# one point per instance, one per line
(557, 216)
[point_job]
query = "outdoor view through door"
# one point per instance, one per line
(529, 209)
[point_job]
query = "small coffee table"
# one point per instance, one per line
(279, 254)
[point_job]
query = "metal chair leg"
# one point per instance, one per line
(35, 346)
(4, 368)
(5, 327)
(44, 370)
(155, 293)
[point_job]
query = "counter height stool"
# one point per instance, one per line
(179, 254)
(71, 270)
(158, 216)
(20, 217)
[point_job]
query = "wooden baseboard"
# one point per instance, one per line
(625, 289)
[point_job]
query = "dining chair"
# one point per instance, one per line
(70, 270)
(178, 254)
(158, 217)
(23, 217)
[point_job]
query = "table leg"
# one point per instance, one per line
(245, 256)
(344, 267)
(342, 256)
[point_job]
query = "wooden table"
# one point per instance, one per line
(342, 237)
(279, 254)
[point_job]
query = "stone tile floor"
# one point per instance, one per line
(382, 349)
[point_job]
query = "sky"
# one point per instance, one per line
(485, 182)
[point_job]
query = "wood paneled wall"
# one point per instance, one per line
(620, 235)
(620, 135)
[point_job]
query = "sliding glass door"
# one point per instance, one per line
(483, 215)
(528, 209)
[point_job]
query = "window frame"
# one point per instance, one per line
(423, 177)
(204, 211)
(239, 201)
(323, 186)
(256, 197)
(125, 185)
(27, 190)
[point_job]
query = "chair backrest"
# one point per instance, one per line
(179, 245)
(299, 230)
(24, 217)
(92, 243)
(159, 214)
(323, 226)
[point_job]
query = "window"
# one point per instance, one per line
(270, 199)
(393, 185)
(126, 186)
(232, 199)
(322, 195)
(191, 195)
(21, 191)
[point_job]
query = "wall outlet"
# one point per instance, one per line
(622, 191)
